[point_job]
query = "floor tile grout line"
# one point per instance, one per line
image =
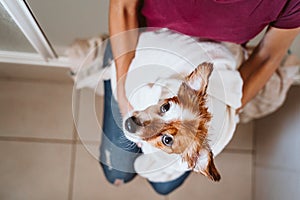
(48, 140)
(277, 168)
(253, 171)
(29, 80)
(72, 168)
(74, 142)
(88, 142)
(76, 110)
(239, 151)
(37, 140)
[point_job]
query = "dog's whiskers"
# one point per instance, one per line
(128, 145)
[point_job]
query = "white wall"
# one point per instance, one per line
(65, 20)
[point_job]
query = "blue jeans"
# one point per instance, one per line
(117, 154)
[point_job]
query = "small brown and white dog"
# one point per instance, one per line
(179, 125)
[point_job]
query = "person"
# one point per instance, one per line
(236, 21)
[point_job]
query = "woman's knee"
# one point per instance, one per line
(165, 188)
(116, 177)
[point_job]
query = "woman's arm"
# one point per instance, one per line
(123, 24)
(264, 60)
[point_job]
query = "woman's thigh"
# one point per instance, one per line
(117, 154)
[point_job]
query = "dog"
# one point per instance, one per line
(185, 93)
(179, 124)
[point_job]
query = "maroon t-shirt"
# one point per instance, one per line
(222, 20)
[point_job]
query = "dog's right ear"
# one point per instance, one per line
(205, 165)
(198, 79)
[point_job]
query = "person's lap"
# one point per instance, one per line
(117, 154)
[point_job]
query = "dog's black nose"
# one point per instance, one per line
(131, 124)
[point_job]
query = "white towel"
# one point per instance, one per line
(159, 54)
(162, 54)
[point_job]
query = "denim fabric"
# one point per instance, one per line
(165, 188)
(117, 154)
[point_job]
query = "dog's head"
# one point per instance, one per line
(180, 124)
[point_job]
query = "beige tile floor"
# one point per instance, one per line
(36, 109)
(277, 163)
(42, 158)
(34, 170)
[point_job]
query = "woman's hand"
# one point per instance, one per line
(123, 102)
(122, 67)
(265, 59)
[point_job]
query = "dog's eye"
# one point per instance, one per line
(165, 107)
(167, 140)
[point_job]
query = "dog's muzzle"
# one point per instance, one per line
(132, 124)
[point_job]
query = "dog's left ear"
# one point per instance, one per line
(205, 165)
(198, 79)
